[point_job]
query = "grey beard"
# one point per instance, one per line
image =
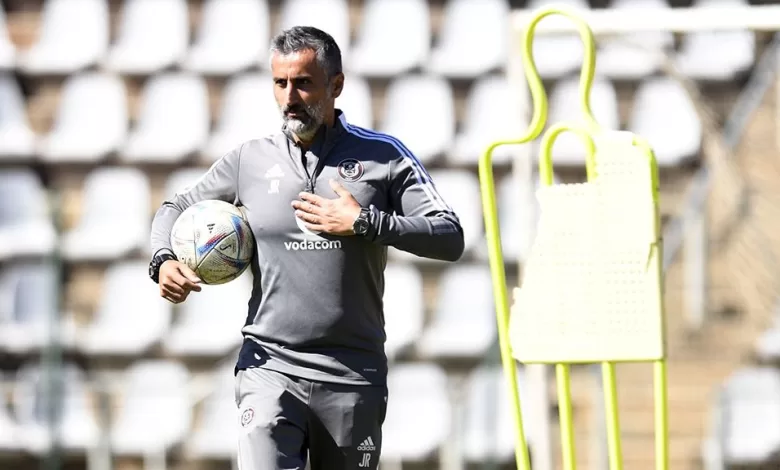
(306, 130)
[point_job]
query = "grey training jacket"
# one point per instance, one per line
(316, 305)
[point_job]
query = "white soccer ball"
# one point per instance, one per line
(213, 239)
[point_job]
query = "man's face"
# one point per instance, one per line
(302, 91)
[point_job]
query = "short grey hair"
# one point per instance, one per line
(299, 38)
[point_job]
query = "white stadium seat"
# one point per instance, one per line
(152, 35)
(569, 149)
(560, 54)
(355, 101)
(17, 140)
(174, 119)
(130, 316)
(490, 116)
(180, 179)
(463, 324)
(518, 214)
(156, 410)
(717, 55)
(216, 434)
(79, 430)
(33, 316)
(637, 55)
(249, 111)
(749, 418)
(102, 232)
(26, 227)
(9, 429)
(417, 393)
(403, 307)
(210, 322)
(379, 51)
(664, 114)
(74, 35)
(233, 35)
(331, 16)
(7, 48)
(91, 121)
(474, 38)
(420, 112)
(488, 424)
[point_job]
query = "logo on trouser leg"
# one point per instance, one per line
(366, 460)
(246, 416)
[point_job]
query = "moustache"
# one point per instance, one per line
(296, 109)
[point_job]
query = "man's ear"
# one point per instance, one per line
(338, 85)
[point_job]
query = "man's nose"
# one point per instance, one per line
(291, 93)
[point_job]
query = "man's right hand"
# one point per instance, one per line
(177, 280)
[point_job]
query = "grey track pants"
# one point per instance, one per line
(284, 419)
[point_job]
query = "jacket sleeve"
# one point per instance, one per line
(422, 223)
(218, 182)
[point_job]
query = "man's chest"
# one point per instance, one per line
(268, 185)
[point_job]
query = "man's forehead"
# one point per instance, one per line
(304, 60)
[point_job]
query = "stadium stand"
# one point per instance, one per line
(122, 102)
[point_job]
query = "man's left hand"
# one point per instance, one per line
(332, 216)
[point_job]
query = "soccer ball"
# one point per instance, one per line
(213, 239)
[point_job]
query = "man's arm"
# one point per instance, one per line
(423, 223)
(219, 182)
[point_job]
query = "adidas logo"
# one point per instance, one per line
(367, 445)
(274, 172)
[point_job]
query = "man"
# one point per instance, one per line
(324, 199)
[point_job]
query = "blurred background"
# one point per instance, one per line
(108, 104)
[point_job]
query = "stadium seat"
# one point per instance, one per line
(17, 140)
(418, 394)
(156, 410)
(568, 149)
(635, 56)
(102, 232)
(78, 431)
(747, 433)
(233, 36)
(560, 54)
(7, 47)
(152, 35)
(379, 51)
(403, 307)
(355, 101)
(488, 428)
(490, 116)
(249, 111)
(717, 55)
(463, 324)
(130, 316)
(91, 121)
(173, 121)
(665, 115)
(74, 35)
(331, 16)
(216, 434)
(9, 429)
(420, 112)
(518, 214)
(33, 316)
(211, 325)
(26, 228)
(180, 179)
(474, 38)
